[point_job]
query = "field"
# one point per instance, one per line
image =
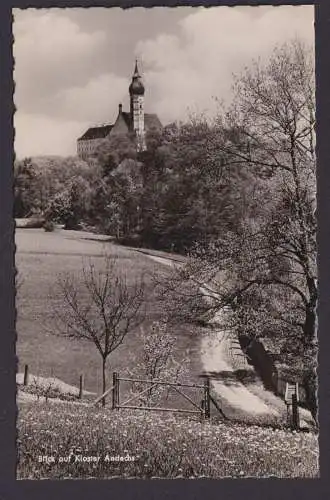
(52, 434)
(65, 440)
(40, 258)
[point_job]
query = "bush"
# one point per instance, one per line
(49, 392)
(30, 223)
(49, 226)
(73, 224)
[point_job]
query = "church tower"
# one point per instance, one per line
(136, 92)
(134, 122)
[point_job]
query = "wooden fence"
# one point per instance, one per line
(26, 381)
(291, 399)
(203, 408)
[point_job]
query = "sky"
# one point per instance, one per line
(73, 66)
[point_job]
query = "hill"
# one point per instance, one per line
(40, 258)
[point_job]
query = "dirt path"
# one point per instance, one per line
(218, 355)
(215, 359)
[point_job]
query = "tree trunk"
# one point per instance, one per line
(310, 323)
(104, 362)
(310, 386)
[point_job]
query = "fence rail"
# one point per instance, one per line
(160, 382)
(103, 396)
(158, 408)
(27, 381)
(202, 409)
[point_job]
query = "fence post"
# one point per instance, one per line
(295, 412)
(288, 417)
(207, 398)
(26, 375)
(115, 390)
(202, 415)
(81, 386)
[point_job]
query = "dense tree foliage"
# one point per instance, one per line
(172, 195)
(54, 187)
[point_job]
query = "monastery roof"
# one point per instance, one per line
(96, 132)
(127, 118)
(151, 121)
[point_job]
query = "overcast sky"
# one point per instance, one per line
(73, 66)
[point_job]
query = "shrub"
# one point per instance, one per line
(48, 392)
(49, 226)
(31, 223)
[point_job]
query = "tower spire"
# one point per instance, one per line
(136, 87)
(136, 70)
(136, 92)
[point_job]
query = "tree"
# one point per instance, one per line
(275, 111)
(26, 188)
(186, 194)
(114, 206)
(158, 363)
(264, 267)
(70, 206)
(113, 150)
(42, 185)
(169, 196)
(101, 307)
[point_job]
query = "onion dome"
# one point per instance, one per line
(136, 87)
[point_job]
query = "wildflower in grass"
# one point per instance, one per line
(212, 450)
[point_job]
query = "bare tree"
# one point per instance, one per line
(102, 307)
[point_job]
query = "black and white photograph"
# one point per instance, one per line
(165, 230)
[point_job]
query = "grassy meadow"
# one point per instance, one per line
(71, 437)
(54, 434)
(40, 258)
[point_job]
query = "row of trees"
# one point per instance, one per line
(174, 194)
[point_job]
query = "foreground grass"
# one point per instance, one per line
(149, 445)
